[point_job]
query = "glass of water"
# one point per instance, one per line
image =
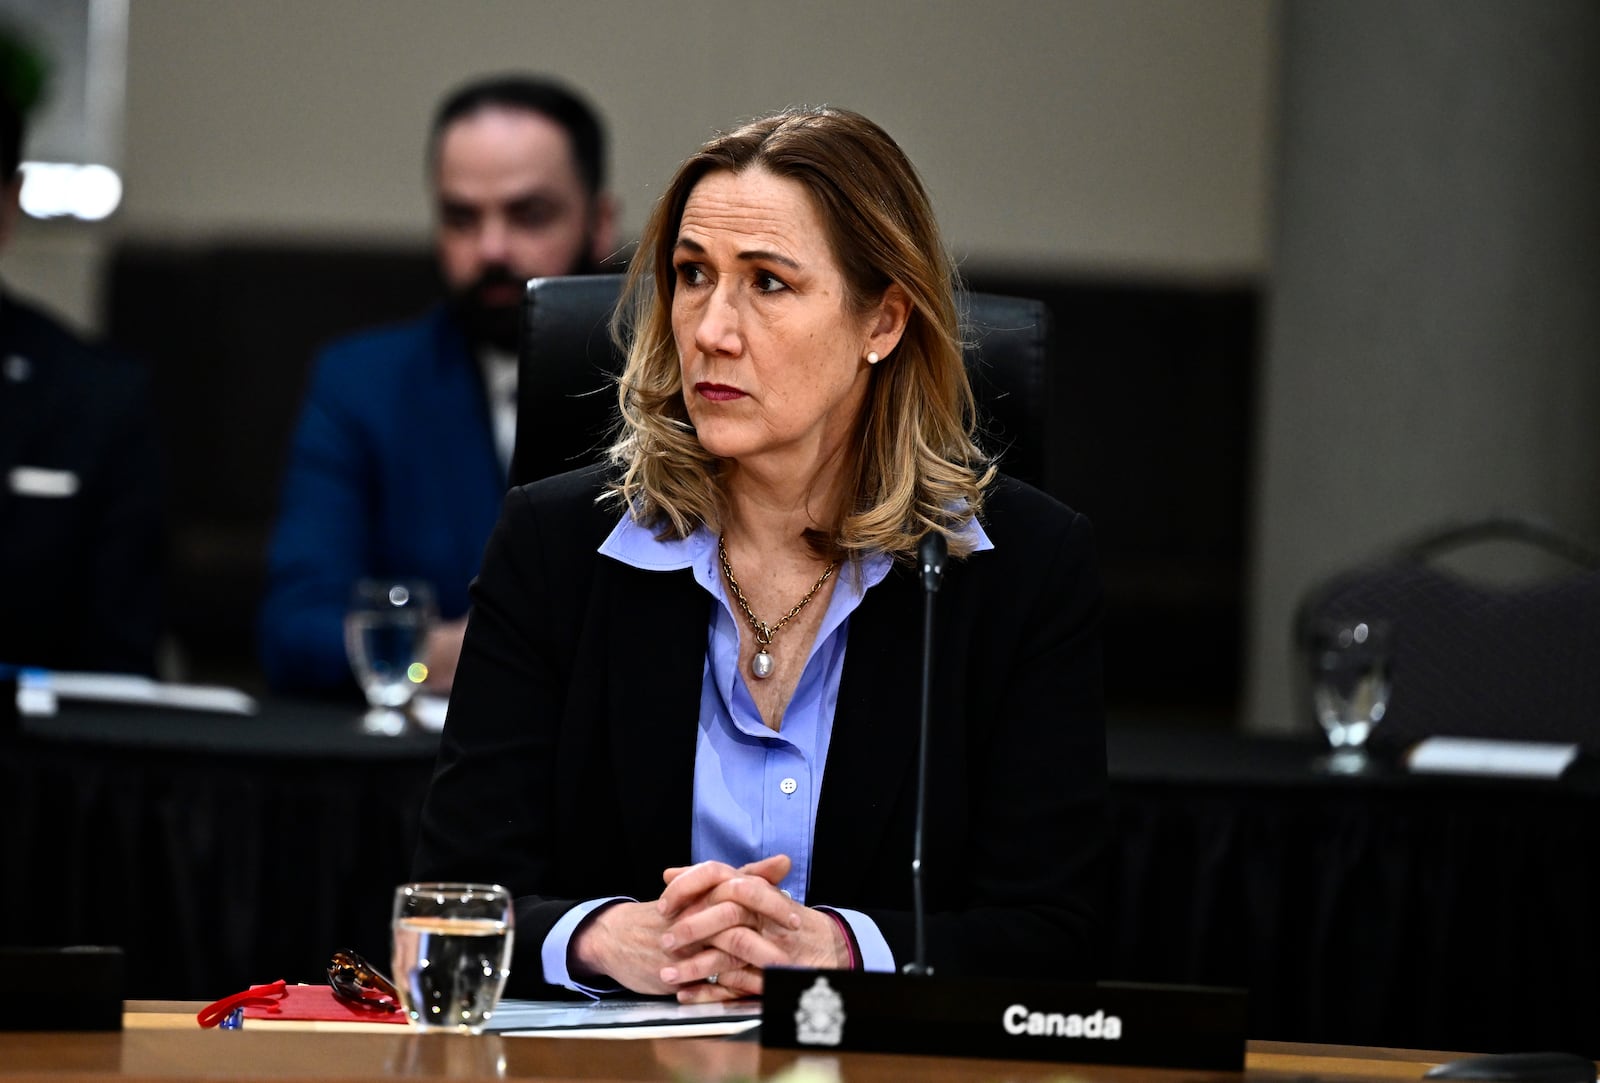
(386, 639)
(1350, 682)
(452, 953)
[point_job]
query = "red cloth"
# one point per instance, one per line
(318, 1002)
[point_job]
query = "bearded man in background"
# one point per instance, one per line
(400, 457)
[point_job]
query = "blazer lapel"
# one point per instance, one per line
(657, 673)
(872, 753)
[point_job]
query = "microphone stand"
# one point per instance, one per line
(932, 552)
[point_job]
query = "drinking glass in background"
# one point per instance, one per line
(1350, 682)
(452, 952)
(386, 637)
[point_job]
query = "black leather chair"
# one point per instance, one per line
(567, 398)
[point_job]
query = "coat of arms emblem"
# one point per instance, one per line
(820, 1018)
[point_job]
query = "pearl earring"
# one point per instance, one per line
(872, 358)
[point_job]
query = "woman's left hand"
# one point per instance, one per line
(741, 922)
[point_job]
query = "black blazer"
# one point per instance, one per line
(566, 767)
(80, 565)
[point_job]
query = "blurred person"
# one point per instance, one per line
(398, 463)
(684, 731)
(80, 493)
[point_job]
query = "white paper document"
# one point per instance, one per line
(40, 691)
(42, 482)
(623, 1018)
(1480, 756)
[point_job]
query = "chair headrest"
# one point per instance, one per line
(568, 362)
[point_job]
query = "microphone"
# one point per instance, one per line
(931, 552)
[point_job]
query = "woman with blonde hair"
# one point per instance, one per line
(684, 729)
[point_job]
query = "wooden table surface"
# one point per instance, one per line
(162, 1041)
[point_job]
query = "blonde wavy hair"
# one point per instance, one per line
(915, 464)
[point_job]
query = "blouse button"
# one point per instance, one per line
(788, 785)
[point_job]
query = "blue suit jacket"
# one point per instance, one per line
(392, 472)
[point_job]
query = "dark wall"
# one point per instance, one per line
(1154, 401)
(1151, 411)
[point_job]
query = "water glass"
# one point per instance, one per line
(1350, 683)
(452, 953)
(386, 638)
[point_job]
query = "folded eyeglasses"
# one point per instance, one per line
(360, 984)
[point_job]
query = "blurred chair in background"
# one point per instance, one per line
(1508, 648)
(568, 364)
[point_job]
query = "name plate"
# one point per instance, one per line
(1157, 1026)
(76, 988)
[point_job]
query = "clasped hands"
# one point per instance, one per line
(709, 935)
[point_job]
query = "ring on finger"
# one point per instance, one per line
(711, 980)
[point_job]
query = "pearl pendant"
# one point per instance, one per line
(761, 664)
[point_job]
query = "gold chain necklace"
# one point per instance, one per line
(761, 664)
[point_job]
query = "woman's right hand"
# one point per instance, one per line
(622, 941)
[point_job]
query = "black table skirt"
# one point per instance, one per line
(1395, 910)
(1429, 912)
(217, 852)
